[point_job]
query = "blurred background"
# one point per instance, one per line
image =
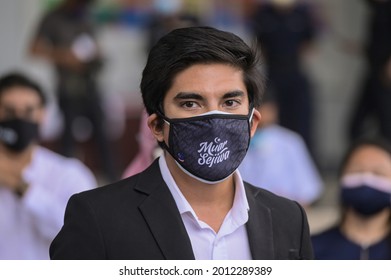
(335, 66)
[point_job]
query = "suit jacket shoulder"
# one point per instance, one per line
(135, 218)
(277, 227)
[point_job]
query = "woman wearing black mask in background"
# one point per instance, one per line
(364, 230)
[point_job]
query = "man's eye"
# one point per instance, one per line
(231, 103)
(9, 113)
(29, 112)
(188, 104)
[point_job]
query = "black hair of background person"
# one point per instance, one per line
(15, 78)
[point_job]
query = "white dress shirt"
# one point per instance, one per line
(231, 241)
(29, 224)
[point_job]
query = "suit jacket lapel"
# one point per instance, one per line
(162, 216)
(259, 227)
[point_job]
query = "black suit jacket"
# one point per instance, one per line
(137, 218)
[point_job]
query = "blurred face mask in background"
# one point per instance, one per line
(366, 193)
(17, 134)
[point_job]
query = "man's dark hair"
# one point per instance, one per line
(184, 47)
(16, 79)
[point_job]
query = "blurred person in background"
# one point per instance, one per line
(148, 149)
(66, 37)
(364, 231)
(278, 159)
(285, 30)
(168, 15)
(35, 183)
(372, 112)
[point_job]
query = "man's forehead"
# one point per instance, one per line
(19, 96)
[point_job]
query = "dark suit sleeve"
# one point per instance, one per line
(306, 252)
(80, 237)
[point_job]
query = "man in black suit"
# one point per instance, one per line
(200, 87)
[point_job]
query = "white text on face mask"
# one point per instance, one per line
(213, 152)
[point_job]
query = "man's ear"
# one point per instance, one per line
(256, 119)
(155, 125)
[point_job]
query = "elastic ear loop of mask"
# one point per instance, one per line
(251, 115)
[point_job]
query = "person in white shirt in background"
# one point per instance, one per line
(279, 161)
(35, 183)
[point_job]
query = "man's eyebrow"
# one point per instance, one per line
(197, 96)
(235, 93)
(188, 95)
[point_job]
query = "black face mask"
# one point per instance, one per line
(365, 200)
(366, 193)
(211, 146)
(16, 134)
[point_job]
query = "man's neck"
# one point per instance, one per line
(22, 158)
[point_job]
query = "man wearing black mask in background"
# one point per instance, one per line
(35, 183)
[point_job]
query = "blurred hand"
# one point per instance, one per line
(11, 169)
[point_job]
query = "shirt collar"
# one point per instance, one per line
(240, 207)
